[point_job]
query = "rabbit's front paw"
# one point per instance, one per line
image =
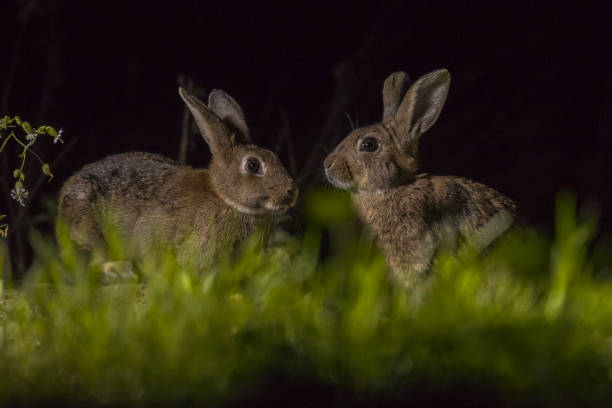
(118, 272)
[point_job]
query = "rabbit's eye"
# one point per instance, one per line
(252, 165)
(369, 144)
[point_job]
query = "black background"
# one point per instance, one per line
(529, 110)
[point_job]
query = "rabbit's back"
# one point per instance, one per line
(412, 221)
(120, 189)
(134, 175)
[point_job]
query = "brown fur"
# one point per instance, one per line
(412, 215)
(152, 201)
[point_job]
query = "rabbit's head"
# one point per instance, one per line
(384, 155)
(249, 178)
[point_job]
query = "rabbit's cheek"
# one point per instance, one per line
(390, 173)
(390, 168)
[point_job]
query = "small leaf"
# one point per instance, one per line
(42, 130)
(16, 173)
(26, 127)
(18, 120)
(51, 131)
(47, 170)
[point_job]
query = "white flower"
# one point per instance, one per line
(59, 137)
(32, 136)
(19, 194)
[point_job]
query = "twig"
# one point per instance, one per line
(346, 86)
(10, 76)
(293, 166)
(284, 138)
(52, 66)
(6, 190)
(185, 124)
(40, 182)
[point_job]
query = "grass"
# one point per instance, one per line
(528, 323)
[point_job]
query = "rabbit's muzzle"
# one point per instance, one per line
(338, 172)
(290, 197)
(284, 201)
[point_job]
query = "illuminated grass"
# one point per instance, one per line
(525, 323)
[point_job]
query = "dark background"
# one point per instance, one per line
(529, 110)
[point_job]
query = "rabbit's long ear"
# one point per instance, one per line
(230, 112)
(394, 89)
(420, 107)
(213, 129)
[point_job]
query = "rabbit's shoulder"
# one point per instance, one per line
(189, 187)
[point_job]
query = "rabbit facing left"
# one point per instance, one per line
(412, 214)
(152, 201)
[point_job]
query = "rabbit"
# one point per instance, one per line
(411, 214)
(151, 200)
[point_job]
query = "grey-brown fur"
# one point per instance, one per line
(152, 201)
(412, 214)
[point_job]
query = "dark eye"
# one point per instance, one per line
(252, 165)
(369, 144)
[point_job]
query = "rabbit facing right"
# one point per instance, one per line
(413, 214)
(152, 202)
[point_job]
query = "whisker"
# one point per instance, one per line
(350, 121)
(308, 172)
(319, 171)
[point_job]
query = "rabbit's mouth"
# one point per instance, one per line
(340, 184)
(265, 208)
(276, 208)
(284, 203)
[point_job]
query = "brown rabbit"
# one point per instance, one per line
(412, 214)
(151, 200)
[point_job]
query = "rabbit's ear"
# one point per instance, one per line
(230, 112)
(420, 107)
(213, 129)
(394, 89)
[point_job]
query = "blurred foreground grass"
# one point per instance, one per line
(530, 323)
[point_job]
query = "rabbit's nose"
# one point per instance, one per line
(328, 163)
(292, 192)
